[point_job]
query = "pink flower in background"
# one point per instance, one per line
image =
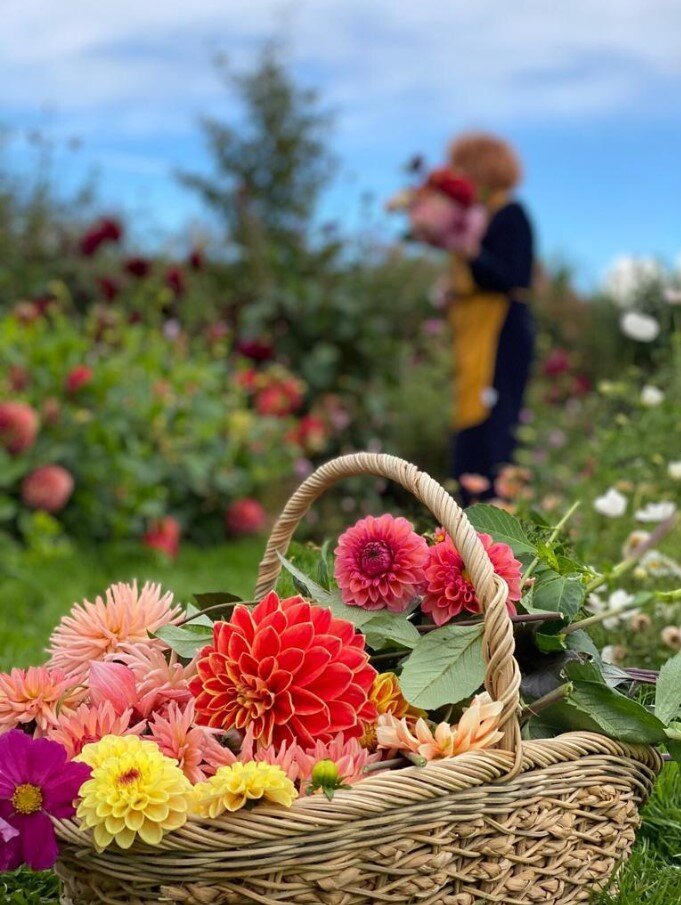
(160, 677)
(174, 280)
(347, 754)
(36, 784)
(48, 488)
(380, 562)
(90, 723)
(280, 398)
(245, 516)
(124, 616)
(77, 378)
(557, 362)
(195, 748)
(449, 591)
(311, 434)
(164, 535)
(35, 696)
(18, 426)
(475, 484)
(18, 378)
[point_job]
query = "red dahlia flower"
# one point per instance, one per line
(18, 426)
(455, 187)
(245, 516)
(36, 784)
(380, 562)
(48, 488)
(449, 591)
(77, 378)
(164, 535)
(288, 671)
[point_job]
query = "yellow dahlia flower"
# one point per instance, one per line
(134, 790)
(233, 786)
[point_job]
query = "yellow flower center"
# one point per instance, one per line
(27, 799)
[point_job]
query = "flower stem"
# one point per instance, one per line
(663, 596)
(553, 697)
(554, 534)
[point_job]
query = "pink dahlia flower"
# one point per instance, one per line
(90, 723)
(160, 676)
(77, 378)
(449, 591)
(35, 696)
(18, 426)
(245, 516)
(164, 535)
(48, 488)
(125, 615)
(195, 748)
(286, 755)
(380, 562)
(36, 784)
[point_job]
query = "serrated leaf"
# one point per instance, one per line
(559, 594)
(615, 715)
(197, 616)
(308, 585)
(445, 667)
(385, 628)
(215, 598)
(502, 526)
(550, 644)
(185, 640)
(668, 690)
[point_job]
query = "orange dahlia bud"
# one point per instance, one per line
(387, 695)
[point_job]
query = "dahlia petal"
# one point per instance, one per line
(266, 643)
(298, 635)
(315, 662)
(290, 660)
(333, 682)
(306, 702)
(342, 715)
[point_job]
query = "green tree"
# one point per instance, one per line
(270, 163)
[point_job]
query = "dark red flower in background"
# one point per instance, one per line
(196, 259)
(310, 434)
(174, 279)
(18, 378)
(279, 398)
(245, 516)
(557, 362)
(137, 267)
(109, 287)
(48, 488)
(164, 535)
(77, 378)
(255, 349)
(18, 426)
(106, 230)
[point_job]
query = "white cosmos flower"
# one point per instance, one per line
(672, 296)
(617, 601)
(651, 396)
(658, 565)
(611, 654)
(656, 512)
(626, 277)
(641, 327)
(612, 504)
(674, 470)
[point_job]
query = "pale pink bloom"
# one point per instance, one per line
(475, 484)
(112, 683)
(160, 676)
(286, 755)
(35, 695)
(379, 563)
(195, 748)
(90, 723)
(348, 755)
(125, 615)
(477, 729)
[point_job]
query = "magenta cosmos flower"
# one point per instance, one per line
(36, 783)
(380, 563)
(449, 591)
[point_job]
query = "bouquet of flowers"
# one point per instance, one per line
(443, 211)
(148, 715)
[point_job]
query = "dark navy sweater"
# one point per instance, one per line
(506, 257)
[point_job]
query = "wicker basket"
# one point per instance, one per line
(543, 821)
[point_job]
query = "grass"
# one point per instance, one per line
(28, 614)
(36, 591)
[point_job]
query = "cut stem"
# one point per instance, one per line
(553, 697)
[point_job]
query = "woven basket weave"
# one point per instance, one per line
(543, 821)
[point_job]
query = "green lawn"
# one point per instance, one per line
(36, 591)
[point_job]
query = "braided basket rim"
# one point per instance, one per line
(381, 793)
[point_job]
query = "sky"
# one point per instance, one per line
(589, 91)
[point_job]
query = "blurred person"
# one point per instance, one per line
(492, 324)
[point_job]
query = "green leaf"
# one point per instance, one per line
(592, 701)
(559, 594)
(502, 526)
(674, 749)
(445, 667)
(390, 627)
(668, 690)
(186, 640)
(549, 643)
(309, 586)
(215, 598)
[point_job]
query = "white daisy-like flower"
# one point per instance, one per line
(651, 396)
(612, 503)
(656, 512)
(641, 327)
(626, 277)
(674, 470)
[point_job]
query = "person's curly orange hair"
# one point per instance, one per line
(488, 161)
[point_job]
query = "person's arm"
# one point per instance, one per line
(505, 257)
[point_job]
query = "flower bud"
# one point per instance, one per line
(325, 775)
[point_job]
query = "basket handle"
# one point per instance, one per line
(502, 678)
